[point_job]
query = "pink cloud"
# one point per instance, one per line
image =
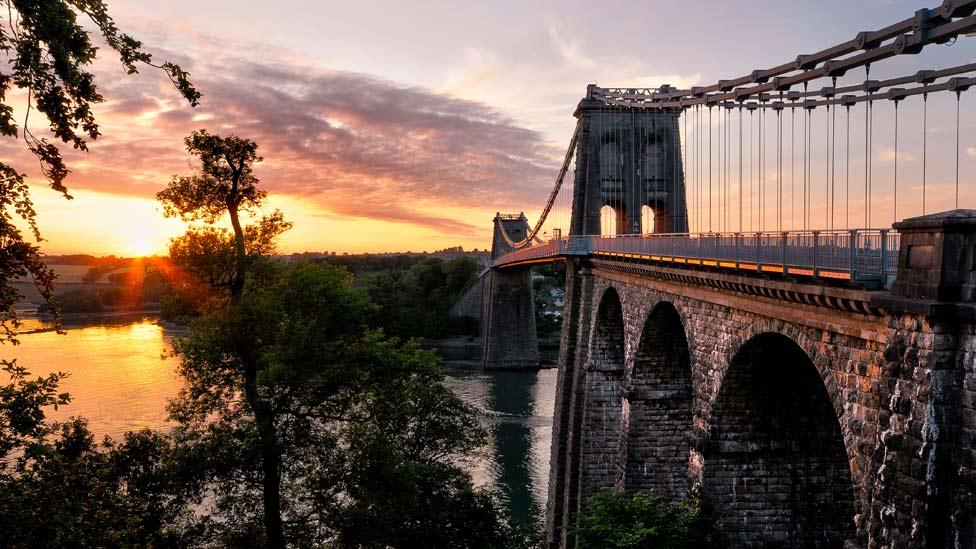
(355, 145)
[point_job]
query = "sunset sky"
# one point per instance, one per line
(390, 127)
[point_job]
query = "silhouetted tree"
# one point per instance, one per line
(342, 435)
(225, 186)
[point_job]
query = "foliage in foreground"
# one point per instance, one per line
(620, 520)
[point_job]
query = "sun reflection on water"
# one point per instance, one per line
(120, 376)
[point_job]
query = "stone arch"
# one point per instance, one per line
(776, 465)
(602, 416)
(613, 218)
(809, 346)
(659, 402)
(608, 336)
(662, 212)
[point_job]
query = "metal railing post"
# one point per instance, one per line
(852, 251)
(816, 251)
(758, 250)
(737, 250)
(884, 257)
(783, 256)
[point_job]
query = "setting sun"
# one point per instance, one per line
(141, 246)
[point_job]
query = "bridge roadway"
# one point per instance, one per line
(865, 257)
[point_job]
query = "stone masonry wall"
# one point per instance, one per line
(659, 398)
(877, 373)
(962, 484)
(602, 418)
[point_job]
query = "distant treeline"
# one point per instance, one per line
(413, 292)
(139, 288)
(112, 261)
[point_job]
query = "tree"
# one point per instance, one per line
(226, 186)
(58, 487)
(616, 520)
(48, 50)
(343, 436)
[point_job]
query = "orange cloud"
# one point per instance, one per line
(344, 146)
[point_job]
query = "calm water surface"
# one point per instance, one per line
(121, 379)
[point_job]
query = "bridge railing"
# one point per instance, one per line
(862, 256)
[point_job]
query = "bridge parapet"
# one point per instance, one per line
(937, 265)
(867, 257)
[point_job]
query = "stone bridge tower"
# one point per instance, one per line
(508, 305)
(627, 159)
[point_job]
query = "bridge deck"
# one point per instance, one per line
(867, 257)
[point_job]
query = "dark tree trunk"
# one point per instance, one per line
(261, 408)
(270, 458)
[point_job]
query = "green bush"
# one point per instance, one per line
(619, 520)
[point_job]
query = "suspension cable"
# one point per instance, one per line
(925, 145)
(833, 165)
(847, 168)
(895, 207)
(779, 170)
(762, 170)
(870, 161)
(728, 169)
(793, 166)
(710, 168)
(752, 171)
(827, 151)
(958, 97)
(552, 196)
(866, 164)
(698, 171)
(740, 167)
(806, 159)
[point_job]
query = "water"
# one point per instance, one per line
(118, 379)
(121, 378)
(519, 408)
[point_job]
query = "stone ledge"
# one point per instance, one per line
(931, 308)
(852, 300)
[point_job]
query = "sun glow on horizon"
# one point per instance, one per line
(141, 247)
(103, 223)
(99, 223)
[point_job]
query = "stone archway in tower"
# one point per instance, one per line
(776, 470)
(660, 401)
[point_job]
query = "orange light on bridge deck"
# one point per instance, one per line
(835, 275)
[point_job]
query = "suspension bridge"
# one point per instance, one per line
(762, 310)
